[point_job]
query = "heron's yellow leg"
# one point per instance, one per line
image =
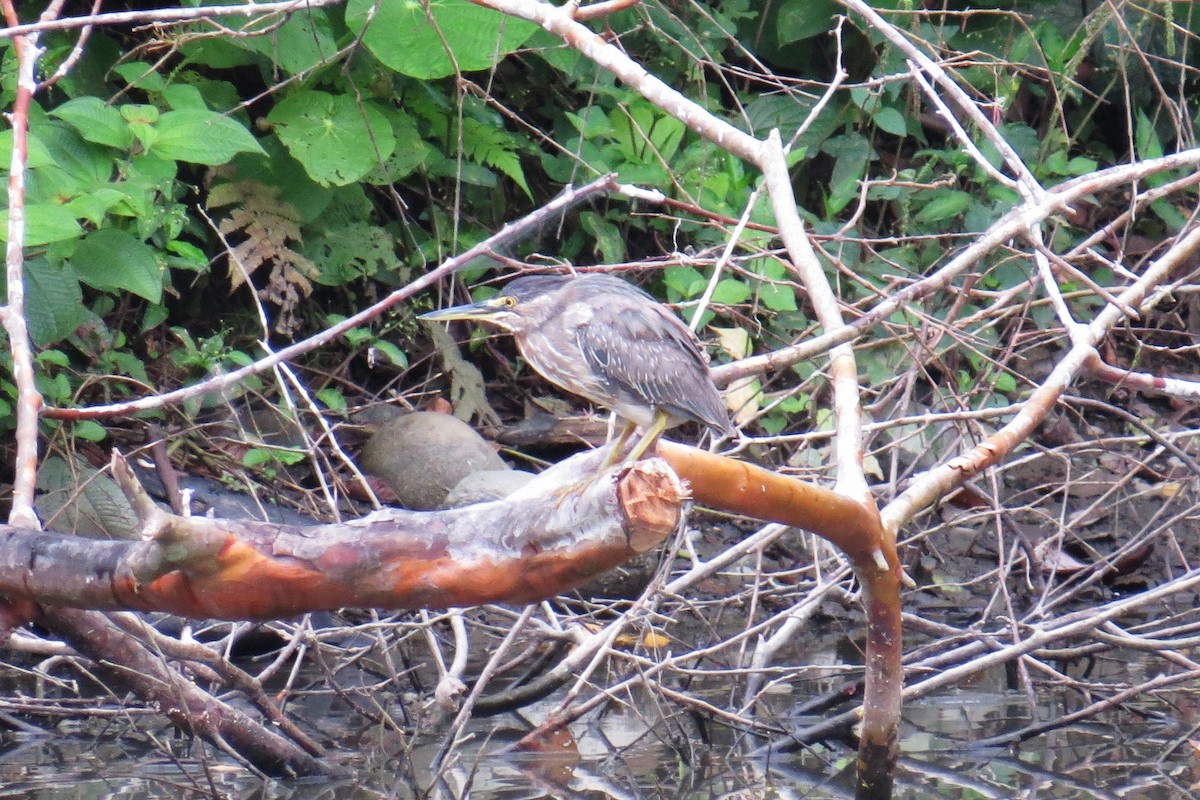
(617, 446)
(661, 418)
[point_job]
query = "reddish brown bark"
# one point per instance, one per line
(856, 529)
(554, 535)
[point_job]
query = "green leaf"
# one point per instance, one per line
(84, 164)
(36, 154)
(53, 302)
(142, 75)
(803, 19)
(188, 251)
(731, 292)
(409, 153)
(256, 457)
(44, 223)
(113, 259)
(406, 38)
(145, 133)
(332, 398)
(336, 139)
(201, 137)
(303, 41)
(948, 203)
(89, 430)
(1079, 165)
(610, 241)
(590, 122)
(889, 120)
(56, 357)
(684, 280)
(348, 251)
(494, 147)
(184, 96)
(155, 315)
(645, 134)
(136, 114)
(777, 296)
(392, 353)
(259, 456)
(852, 152)
(1149, 145)
(93, 206)
(95, 121)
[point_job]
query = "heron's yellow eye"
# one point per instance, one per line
(508, 301)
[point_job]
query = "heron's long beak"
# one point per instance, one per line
(472, 311)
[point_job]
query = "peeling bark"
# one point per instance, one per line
(555, 534)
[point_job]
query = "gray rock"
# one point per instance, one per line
(423, 455)
(485, 485)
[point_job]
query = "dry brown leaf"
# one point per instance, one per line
(271, 227)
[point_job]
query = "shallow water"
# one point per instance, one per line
(630, 751)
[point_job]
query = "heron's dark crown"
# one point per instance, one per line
(530, 287)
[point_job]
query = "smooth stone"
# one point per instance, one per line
(486, 485)
(423, 455)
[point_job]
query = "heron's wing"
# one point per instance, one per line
(646, 353)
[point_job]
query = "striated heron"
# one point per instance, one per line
(608, 341)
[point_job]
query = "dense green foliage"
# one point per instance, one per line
(340, 151)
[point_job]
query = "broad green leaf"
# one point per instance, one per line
(44, 223)
(336, 139)
(948, 203)
(155, 315)
(684, 280)
(608, 237)
(145, 133)
(256, 457)
(89, 430)
(53, 302)
(889, 120)
(84, 164)
(646, 134)
(56, 357)
(777, 296)
(184, 96)
(332, 398)
(414, 42)
(93, 206)
(302, 42)
(1056, 163)
(36, 154)
(281, 170)
(350, 250)
(201, 137)
(139, 114)
(852, 152)
(392, 353)
(95, 121)
(731, 292)
(1149, 145)
(803, 19)
(113, 259)
(1079, 165)
(142, 75)
(590, 121)
(410, 151)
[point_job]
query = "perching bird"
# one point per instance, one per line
(608, 341)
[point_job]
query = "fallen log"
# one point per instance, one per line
(564, 528)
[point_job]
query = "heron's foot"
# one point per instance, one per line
(611, 464)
